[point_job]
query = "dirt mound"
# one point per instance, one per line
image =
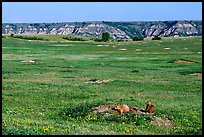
(95, 81)
(162, 122)
(181, 61)
(29, 61)
(110, 110)
(197, 74)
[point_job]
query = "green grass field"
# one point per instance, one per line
(44, 80)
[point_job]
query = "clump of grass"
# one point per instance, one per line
(135, 71)
(80, 111)
(184, 125)
(189, 71)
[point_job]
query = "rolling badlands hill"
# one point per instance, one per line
(117, 30)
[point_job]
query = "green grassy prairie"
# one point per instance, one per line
(44, 80)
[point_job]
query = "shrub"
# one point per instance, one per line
(140, 38)
(120, 40)
(156, 38)
(98, 40)
(74, 38)
(12, 35)
(28, 38)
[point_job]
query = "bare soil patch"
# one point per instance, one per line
(162, 122)
(181, 61)
(95, 81)
(197, 74)
(64, 68)
(29, 61)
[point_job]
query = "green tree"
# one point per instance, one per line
(105, 36)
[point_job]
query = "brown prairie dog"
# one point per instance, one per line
(150, 108)
(122, 108)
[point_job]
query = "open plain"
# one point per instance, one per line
(50, 87)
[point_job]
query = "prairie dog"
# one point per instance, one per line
(122, 108)
(150, 108)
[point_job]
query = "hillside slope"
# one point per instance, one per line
(117, 30)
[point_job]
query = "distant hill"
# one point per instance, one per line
(117, 30)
